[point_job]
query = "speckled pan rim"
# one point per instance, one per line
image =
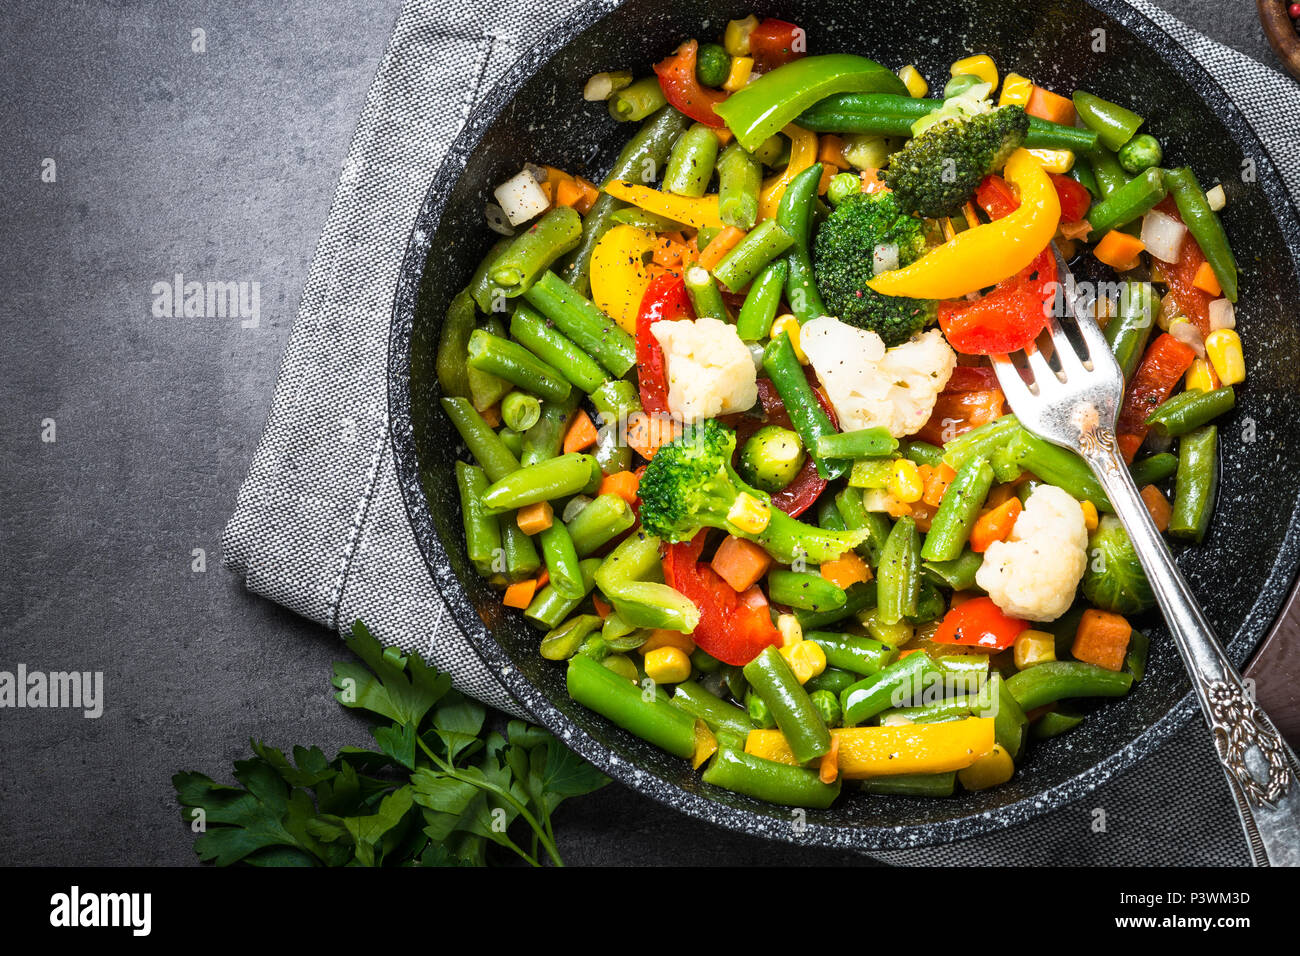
(774, 823)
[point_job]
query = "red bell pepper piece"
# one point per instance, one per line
(683, 90)
(775, 43)
(1162, 367)
(804, 489)
(1007, 318)
(971, 398)
(997, 198)
(1192, 302)
(734, 627)
(665, 299)
(979, 623)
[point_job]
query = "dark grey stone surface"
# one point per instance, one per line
(219, 165)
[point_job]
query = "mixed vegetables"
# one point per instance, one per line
(806, 543)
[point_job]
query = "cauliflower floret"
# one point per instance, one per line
(871, 386)
(1034, 573)
(710, 370)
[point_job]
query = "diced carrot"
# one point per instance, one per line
(662, 638)
(1118, 250)
(1206, 281)
(548, 189)
(567, 193)
(581, 434)
(534, 518)
(603, 608)
(543, 579)
(824, 184)
(830, 150)
(589, 195)
(923, 515)
(936, 484)
(1158, 506)
(645, 433)
(995, 525)
(846, 570)
(1101, 639)
(492, 415)
(726, 240)
(910, 650)
(828, 770)
(872, 183)
(1050, 106)
(621, 483)
(520, 594)
(1076, 230)
(725, 136)
(670, 250)
(740, 563)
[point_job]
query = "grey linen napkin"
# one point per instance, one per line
(320, 526)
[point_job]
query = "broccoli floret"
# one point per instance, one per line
(937, 171)
(690, 484)
(843, 262)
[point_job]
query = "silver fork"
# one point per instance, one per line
(1076, 409)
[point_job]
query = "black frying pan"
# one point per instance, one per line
(1242, 571)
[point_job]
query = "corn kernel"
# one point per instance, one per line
(878, 499)
(749, 514)
(1224, 350)
(914, 81)
(661, 637)
(1015, 90)
(735, 39)
(981, 65)
(1054, 160)
(905, 481)
(1089, 515)
(790, 629)
(990, 770)
(741, 68)
(667, 665)
(790, 326)
(1200, 375)
(1034, 647)
(806, 659)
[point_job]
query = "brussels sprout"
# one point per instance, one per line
(827, 706)
(771, 458)
(842, 186)
(1114, 579)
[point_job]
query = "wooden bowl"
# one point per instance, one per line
(1281, 32)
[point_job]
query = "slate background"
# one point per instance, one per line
(218, 165)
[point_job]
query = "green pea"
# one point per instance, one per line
(712, 65)
(1140, 153)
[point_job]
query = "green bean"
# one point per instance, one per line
(482, 531)
(1083, 174)
(616, 401)
(482, 289)
(760, 715)
(902, 680)
(751, 255)
(832, 679)
(646, 221)
(763, 779)
(859, 597)
(562, 642)
(720, 716)
(598, 688)
(852, 652)
(533, 250)
(740, 177)
(953, 709)
(635, 559)
(762, 302)
(1128, 332)
(1135, 660)
(1198, 480)
(899, 576)
(705, 295)
(1114, 125)
(512, 439)
(1131, 201)
(486, 389)
(794, 214)
(1109, 173)
(555, 348)
(771, 678)
(957, 573)
(1191, 409)
(856, 517)
(520, 412)
(690, 164)
(637, 100)
(863, 443)
(522, 560)
(921, 452)
(545, 439)
(828, 516)
(804, 590)
(644, 603)
(483, 443)
(913, 784)
(549, 607)
(1204, 226)
(518, 366)
(951, 526)
(891, 635)
(600, 522)
(806, 413)
(930, 604)
(577, 317)
(1054, 723)
(1009, 720)
(981, 441)
(561, 560)
(453, 340)
(773, 151)
(1051, 681)
(1153, 469)
(544, 481)
(1060, 467)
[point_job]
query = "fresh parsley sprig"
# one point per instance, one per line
(439, 791)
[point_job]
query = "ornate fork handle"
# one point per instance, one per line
(1262, 772)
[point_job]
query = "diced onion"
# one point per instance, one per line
(521, 198)
(756, 352)
(884, 258)
(1222, 315)
(1187, 333)
(1217, 198)
(1163, 236)
(1169, 310)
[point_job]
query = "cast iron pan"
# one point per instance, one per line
(1241, 573)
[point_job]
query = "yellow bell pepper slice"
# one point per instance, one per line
(619, 275)
(701, 213)
(985, 255)
(803, 153)
(887, 751)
